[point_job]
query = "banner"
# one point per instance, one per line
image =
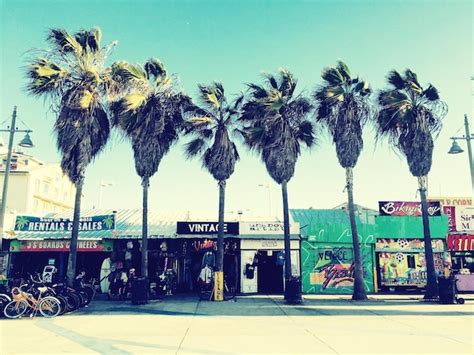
(51, 245)
(450, 211)
(37, 224)
(268, 228)
(407, 208)
(460, 242)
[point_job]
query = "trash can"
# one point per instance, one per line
(447, 293)
(139, 290)
(293, 291)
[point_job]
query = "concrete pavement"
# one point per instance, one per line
(258, 324)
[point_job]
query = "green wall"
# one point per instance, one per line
(410, 227)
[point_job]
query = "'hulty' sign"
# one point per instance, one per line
(404, 208)
(206, 228)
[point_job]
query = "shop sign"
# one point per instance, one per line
(37, 224)
(407, 245)
(266, 228)
(407, 208)
(464, 218)
(206, 228)
(460, 242)
(208, 244)
(267, 244)
(50, 245)
(450, 211)
(452, 200)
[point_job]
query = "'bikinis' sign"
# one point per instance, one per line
(404, 208)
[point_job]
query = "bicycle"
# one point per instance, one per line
(48, 306)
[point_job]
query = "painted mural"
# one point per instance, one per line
(332, 268)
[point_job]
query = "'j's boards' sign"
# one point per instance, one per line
(206, 228)
(37, 224)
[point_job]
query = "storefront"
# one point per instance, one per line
(461, 247)
(401, 262)
(400, 249)
(35, 242)
(327, 253)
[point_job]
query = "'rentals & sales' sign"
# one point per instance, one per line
(407, 208)
(37, 224)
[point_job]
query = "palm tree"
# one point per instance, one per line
(211, 126)
(275, 125)
(344, 109)
(149, 113)
(73, 76)
(409, 116)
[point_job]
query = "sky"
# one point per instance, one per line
(234, 42)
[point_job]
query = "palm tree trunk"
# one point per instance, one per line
(286, 229)
(359, 293)
(144, 260)
(71, 266)
(219, 275)
(431, 282)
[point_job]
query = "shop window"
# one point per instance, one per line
(411, 261)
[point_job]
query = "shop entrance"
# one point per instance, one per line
(270, 272)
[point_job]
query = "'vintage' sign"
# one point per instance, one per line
(206, 228)
(37, 224)
(407, 208)
(460, 242)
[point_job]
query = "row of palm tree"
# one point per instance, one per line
(272, 119)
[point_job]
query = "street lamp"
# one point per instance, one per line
(26, 143)
(102, 185)
(267, 186)
(456, 149)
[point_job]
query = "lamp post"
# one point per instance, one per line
(102, 185)
(267, 186)
(456, 149)
(26, 143)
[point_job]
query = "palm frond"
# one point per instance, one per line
(63, 41)
(431, 93)
(195, 147)
(332, 76)
(394, 78)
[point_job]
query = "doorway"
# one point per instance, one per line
(270, 273)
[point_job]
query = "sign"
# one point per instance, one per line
(219, 286)
(450, 211)
(407, 208)
(464, 218)
(37, 224)
(267, 244)
(407, 245)
(460, 242)
(48, 245)
(206, 228)
(266, 228)
(452, 200)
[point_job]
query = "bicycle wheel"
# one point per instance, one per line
(63, 302)
(229, 291)
(90, 291)
(15, 309)
(73, 301)
(49, 307)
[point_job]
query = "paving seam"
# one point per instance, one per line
(304, 328)
(189, 326)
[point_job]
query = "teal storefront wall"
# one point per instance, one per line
(326, 250)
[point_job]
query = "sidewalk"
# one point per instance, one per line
(251, 324)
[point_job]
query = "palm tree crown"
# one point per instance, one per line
(74, 77)
(275, 124)
(409, 116)
(212, 125)
(150, 111)
(344, 108)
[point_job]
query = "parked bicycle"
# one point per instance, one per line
(48, 306)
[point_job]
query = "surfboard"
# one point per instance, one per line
(104, 273)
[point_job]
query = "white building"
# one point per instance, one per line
(35, 187)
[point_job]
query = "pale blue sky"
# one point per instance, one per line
(233, 42)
